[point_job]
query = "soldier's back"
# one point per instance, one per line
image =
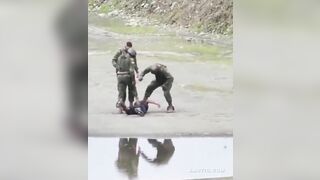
(126, 63)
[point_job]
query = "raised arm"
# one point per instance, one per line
(145, 157)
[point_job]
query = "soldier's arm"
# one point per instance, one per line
(115, 59)
(145, 157)
(146, 71)
(136, 65)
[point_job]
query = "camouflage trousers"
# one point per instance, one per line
(166, 87)
(125, 81)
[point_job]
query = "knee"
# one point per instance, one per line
(149, 89)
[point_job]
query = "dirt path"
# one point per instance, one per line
(202, 90)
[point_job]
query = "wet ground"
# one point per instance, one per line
(160, 159)
(202, 90)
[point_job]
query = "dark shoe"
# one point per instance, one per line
(170, 109)
(139, 112)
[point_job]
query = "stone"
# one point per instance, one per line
(173, 5)
(114, 13)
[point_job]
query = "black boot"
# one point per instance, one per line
(170, 109)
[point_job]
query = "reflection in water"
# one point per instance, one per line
(128, 157)
(165, 151)
(160, 159)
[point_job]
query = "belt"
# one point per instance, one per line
(123, 73)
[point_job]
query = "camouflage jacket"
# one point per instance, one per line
(122, 52)
(160, 71)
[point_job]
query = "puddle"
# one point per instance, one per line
(145, 159)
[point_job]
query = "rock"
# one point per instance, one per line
(102, 14)
(202, 34)
(133, 22)
(214, 16)
(189, 39)
(173, 5)
(114, 13)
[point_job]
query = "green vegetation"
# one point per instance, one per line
(167, 42)
(214, 16)
(203, 52)
(101, 7)
(104, 8)
(117, 26)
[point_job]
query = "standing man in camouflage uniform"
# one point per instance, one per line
(119, 54)
(163, 79)
(124, 51)
(125, 74)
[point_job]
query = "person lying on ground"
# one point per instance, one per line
(139, 108)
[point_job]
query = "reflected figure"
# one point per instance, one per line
(128, 157)
(165, 151)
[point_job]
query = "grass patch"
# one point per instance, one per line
(105, 8)
(201, 49)
(201, 52)
(117, 26)
(168, 42)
